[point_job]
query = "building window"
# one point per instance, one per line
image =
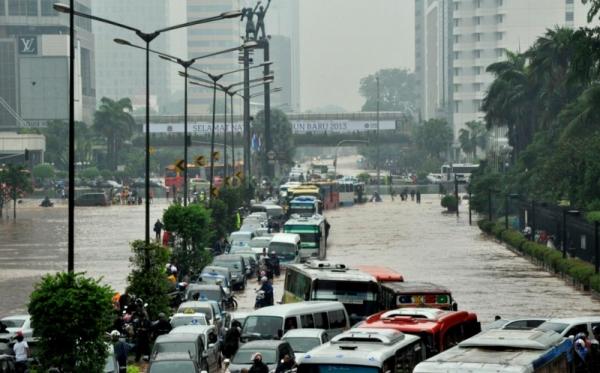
(456, 6)
(499, 18)
(501, 2)
(456, 55)
(47, 9)
(456, 22)
(477, 36)
(477, 20)
(2, 5)
(478, 3)
(477, 53)
(499, 52)
(499, 35)
(569, 17)
(456, 106)
(457, 88)
(569, 1)
(86, 72)
(23, 8)
(477, 70)
(477, 87)
(457, 71)
(457, 38)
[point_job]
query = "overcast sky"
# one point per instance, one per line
(342, 41)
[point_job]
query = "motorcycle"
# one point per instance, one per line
(260, 299)
(229, 303)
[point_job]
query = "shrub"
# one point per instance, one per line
(595, 283)
(581, 271)
(485, 225)
(497, 230)
(513, 238)
(450, 202)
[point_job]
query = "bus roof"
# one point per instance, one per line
(293, 308)
(414, 287)
(417, 320)
(381, 273)
(500, 351)
(330, 271)
(306, 220)
(291, 238)
(359, 347)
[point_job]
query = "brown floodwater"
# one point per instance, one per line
(416, 240)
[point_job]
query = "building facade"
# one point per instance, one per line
(34, 64)
(479, 32)
(120, 70)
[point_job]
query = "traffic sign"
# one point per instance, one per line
(228, 181)
(216, 156)
(180, 165)
(152, 150)
(214, 192)
(271, 155)
(201, 161)
(239, 175)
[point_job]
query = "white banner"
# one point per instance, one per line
(298, 127)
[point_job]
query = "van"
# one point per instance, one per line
(240, 240)
(274, 321)
(286, 246)
(92, 199)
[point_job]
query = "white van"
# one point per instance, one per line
(240, 240)
(274, 321)
(286, 246)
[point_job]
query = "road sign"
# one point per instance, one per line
(152, 150)
(201, 161)
(228, 181)
(271, 155)
(214, 192)
(180, 165)
(216, 156)
(239, 175)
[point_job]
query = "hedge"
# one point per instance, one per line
(581, 271)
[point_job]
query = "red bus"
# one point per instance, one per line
(381, 273)
(175, 178)
(439, 329)
(330, 196)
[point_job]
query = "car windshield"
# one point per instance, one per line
(216, 280)
(337, 368)
(244, 356)
(13, 323)
(172, 367)
(187, 320)
(284, 250)
(183, 347)
(233, 265)
(260, 243)
(303, 344)
(240, 244)
(215, 294)
(262, 327)
(554, 326)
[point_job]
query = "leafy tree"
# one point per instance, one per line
(90, 173)
(71, 314)
(434, 137)
(397, 90)
(57, 137)
(473, 137)
(147, 278)
(114, 122)
(16, 182)
(43, 171)
(192, 225)
(281, 133)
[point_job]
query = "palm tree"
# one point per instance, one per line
(113, 121)
(473, 137)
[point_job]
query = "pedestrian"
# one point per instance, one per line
(581, 345)
(418, 196)
(121, 349)
(285, 365)
(257, 364)
(412, 195)
(161, 326)
(226, 363)
(232, 339)
(21, 350)
(142, 336)
(158, 226)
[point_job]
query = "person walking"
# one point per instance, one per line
(142, 336)
(257, 364)
(158, 226)
(161, 326)
(412, 195)
(121, 349)
(232, 339)
(418, 197)
(21, 350)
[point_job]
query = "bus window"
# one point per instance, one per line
(321, 320)
(291, 323)
(408, 357)
(307, 321)
(336, 319)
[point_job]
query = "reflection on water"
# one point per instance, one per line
(416, 240)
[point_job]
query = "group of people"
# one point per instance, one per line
(20, 349)
(414, 194)
(286, 364)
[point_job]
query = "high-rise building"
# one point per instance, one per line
(281, 55)
(476, 34)
(120, 70)
(34, 64)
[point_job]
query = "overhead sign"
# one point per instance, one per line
(28, 45)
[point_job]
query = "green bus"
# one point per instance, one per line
(313, 237)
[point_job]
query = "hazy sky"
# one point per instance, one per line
(342, 41)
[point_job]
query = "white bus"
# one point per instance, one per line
(365, 351)
(461, 171)
(274, 321)
(324, 281)
(504, 351)
(346, 191)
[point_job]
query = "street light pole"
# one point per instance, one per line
(337, 146)
(71, 214)
(225, 136)
(377, 138)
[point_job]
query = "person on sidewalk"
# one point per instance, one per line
(21, 349)
(121, 349)
(158, 226)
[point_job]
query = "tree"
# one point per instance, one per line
(593, 10)
(192, 225)
(71, 314)
(57, 136)
(16, 182)
(281, 133)
(147, 279)
(473, 137)
(115, 123)
(397, 90)
(43, 171)
(434, 137)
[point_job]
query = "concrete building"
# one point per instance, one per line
(120, 70)
(34, 64)
(281, 55)
(453, 78)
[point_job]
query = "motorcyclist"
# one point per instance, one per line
(257, 364)
(268, 290)
(161, 326)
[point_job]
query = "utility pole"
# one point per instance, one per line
(247, 116)
(268, 168)
(377, 139)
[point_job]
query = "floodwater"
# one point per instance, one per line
(416, 240)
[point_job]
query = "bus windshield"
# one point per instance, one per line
(337, 368)
(349, 292)
(285, 251)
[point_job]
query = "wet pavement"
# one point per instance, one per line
(416, 240)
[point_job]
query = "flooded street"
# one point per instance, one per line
(416, 240)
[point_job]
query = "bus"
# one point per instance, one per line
(396, 294)
(365, 351)
(503, 351)
(305, 190)
(438, 329)
(313, 235)
(174, 178)
(382, 274)
(330, 196)
(347, 192)
(461, 171)
(319, 280)
(303, 206)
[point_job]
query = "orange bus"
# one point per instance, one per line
(381, 273)
(439, 329)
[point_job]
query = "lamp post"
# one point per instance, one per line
(337, 146)
(596, 247)
(566, 212)
(377, 137)
(507, 206)
(147, 38)
(490, 204)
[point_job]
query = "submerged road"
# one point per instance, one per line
(416, 240)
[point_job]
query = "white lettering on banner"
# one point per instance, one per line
(298, 127)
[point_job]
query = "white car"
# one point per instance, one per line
(182, 319)
(18, 323)
(304, 340)
(572, 326)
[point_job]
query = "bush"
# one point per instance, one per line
(43, 171)
(513, 238)
(485, 225)
(89, 173)
(450, 202)
(595, 283)
(70, 314)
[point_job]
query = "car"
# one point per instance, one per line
(205, 292)
(92, 199)
(188, 344)
(251, 262)
(259, 243)
(211, 309)
(304, 340)
(272, 352)
(237, 266)
(223, 271)
(572, 326)
(18, 323)
(173, 363)
(213, 278)
(240, 240)
(181, 319)
(211, 352)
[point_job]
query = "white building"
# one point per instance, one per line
(480, 33)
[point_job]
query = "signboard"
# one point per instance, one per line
(28, 45)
